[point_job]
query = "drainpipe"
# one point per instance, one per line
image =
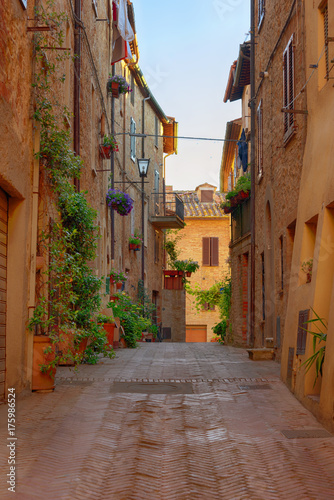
(77, 65)
(143, 193)
(252, 201)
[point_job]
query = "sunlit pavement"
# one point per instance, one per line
(169, 421)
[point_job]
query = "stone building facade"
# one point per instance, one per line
(26, 202)
(231, 170)
(279, 137)
(204, 221)
(312, 234)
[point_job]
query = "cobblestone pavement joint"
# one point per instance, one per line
(222, 441)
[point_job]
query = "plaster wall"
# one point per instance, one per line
(315, 206)
(16, 162)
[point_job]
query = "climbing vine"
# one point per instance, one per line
(69, 296)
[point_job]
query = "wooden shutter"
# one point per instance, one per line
(206, 195)
(301, 335)
(133, 140)
(214, 251)
(206, 251)
(288, 88)
(3, 287)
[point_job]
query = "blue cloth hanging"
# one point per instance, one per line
(243, 150)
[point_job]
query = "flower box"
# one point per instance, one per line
(132, 246)
(171, 273)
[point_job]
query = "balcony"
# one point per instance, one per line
(167, 211)
(240, 221)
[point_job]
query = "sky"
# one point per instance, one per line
(186, 50)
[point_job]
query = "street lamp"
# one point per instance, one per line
(143, 164)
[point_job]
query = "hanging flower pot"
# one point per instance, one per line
(137, 248)
(114, 89)
(132, 246)
(188, 274)
(119, 201)
(105, 152)
(116, 85)
(119, 285)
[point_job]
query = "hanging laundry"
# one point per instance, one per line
(122, 32)
(243, 150)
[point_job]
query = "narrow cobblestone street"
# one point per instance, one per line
(169, 421)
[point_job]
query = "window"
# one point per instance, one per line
(260, 12)
(132, 140)
(208, 307)
(210, 251)
(156, 139)
(282, 262)
(94, 3)
(301, 336)
(259, 117)
(288, 89)
(206, 195)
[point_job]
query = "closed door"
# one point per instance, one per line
(3, 287)
(195, 333)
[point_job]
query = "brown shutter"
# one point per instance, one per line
(206, 195)
(291, 86)
(214, 251)
(206, 251)
(301, 335)
(285, 89)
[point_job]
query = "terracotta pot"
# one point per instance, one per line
(109, 328)
(188, 274)
(115, 89)
(67, 350)
(105, 152)
(42, 381)
(119, 286)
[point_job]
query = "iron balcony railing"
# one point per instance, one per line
(167, 205)
(241, 220)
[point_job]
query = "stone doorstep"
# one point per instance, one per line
(261, 353)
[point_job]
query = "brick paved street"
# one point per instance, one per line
(169, 421)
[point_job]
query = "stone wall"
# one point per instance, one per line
(173, 315)
(190, 247)
(276, 191)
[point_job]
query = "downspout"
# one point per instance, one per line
(77, 65)
(252, 201)
(143, 193)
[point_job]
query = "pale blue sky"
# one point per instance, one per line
(186, 50)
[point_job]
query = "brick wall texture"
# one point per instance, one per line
(190, 247)
(276, 192)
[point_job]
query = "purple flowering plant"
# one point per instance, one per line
(123, 84)
(120, 201)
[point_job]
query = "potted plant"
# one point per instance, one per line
(191, 267)
(109, 144)
(44, 353)
(119, 201)
(108, 323)
(117, 84)
(117, 277)
(319, 351)
(307, 267)
(135, 241)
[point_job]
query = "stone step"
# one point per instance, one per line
(261, 353)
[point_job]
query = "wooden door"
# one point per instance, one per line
(196, 333)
